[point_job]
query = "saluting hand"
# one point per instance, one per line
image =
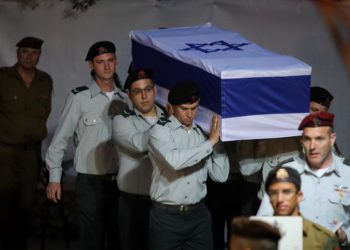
(215, 130)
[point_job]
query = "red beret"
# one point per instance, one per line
(317, 120)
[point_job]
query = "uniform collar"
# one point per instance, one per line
(159, 113)
(175, 124)
(334, 167)
(95, 89)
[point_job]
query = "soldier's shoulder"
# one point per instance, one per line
(163, 121)
(322, 229)
(79, 89)
(44, 75)
(128, 112)
(5, 70)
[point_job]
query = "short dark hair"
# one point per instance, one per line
(255, 233)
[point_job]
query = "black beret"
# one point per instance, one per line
(321, 96)
(183, 92)
(137, 74)
(30, 42)
(283, 174)
(318, 119)
(100, 48)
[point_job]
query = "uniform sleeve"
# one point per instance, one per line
(127, 136)
(164, 150)
(218, 164)
(49, 95)
(65, 130)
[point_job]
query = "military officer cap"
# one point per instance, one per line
(183, 92)
(318, 119)
(321, 96)
(283, 174)
(100, 48)
(136, 75)
(30, 42)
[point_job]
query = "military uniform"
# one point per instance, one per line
(23, 115)
(326, 198)
(316, 237)
(86, 116)
(182, 160)
(131, 133)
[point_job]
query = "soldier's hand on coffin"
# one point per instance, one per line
(215, 130)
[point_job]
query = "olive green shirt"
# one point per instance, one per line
(316, 237)
(24, 110)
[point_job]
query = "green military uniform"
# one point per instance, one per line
(317, 237)
(23, 115)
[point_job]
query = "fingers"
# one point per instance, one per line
(53, 192)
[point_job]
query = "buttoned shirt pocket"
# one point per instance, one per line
(340, 195)
(12, 103)
(92, 119)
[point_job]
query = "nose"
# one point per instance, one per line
(143, 94)
(107, 66)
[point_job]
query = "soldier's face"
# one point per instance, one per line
(28, 58)
(186, 113)
(317, 108)
(142, 94)
(104, 66)
(284, 198)
(317, 143)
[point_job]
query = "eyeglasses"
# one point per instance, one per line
(286, 194)
(147, 90)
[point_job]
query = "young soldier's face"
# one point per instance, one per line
(317, 143)
(186, 113)
(143, 93)
(104, 66)
(28, 58)
(284, 198)
(317, 108)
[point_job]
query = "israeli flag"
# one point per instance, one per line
(257, 93)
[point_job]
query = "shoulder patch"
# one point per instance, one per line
(163, 120)
(79, 89)
(128, 112)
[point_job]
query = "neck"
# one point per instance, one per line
(151, 113)
(105, 85)
(27, 74)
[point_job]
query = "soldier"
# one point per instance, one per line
(130, 134)
(324, 176)
(25, 104)
(283, 188)
(86, 116)
(182, 158)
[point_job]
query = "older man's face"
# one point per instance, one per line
(317, 143)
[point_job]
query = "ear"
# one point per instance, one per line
(333, 138)
(90, 65)
(300, 196)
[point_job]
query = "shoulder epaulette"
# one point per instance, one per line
(79, 89)
(163, 120)
(286, 161)
(346, 162)
(128, 112)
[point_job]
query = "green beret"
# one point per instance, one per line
(100, 48)
(30, 42)
(183, 92)
(283, 174)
